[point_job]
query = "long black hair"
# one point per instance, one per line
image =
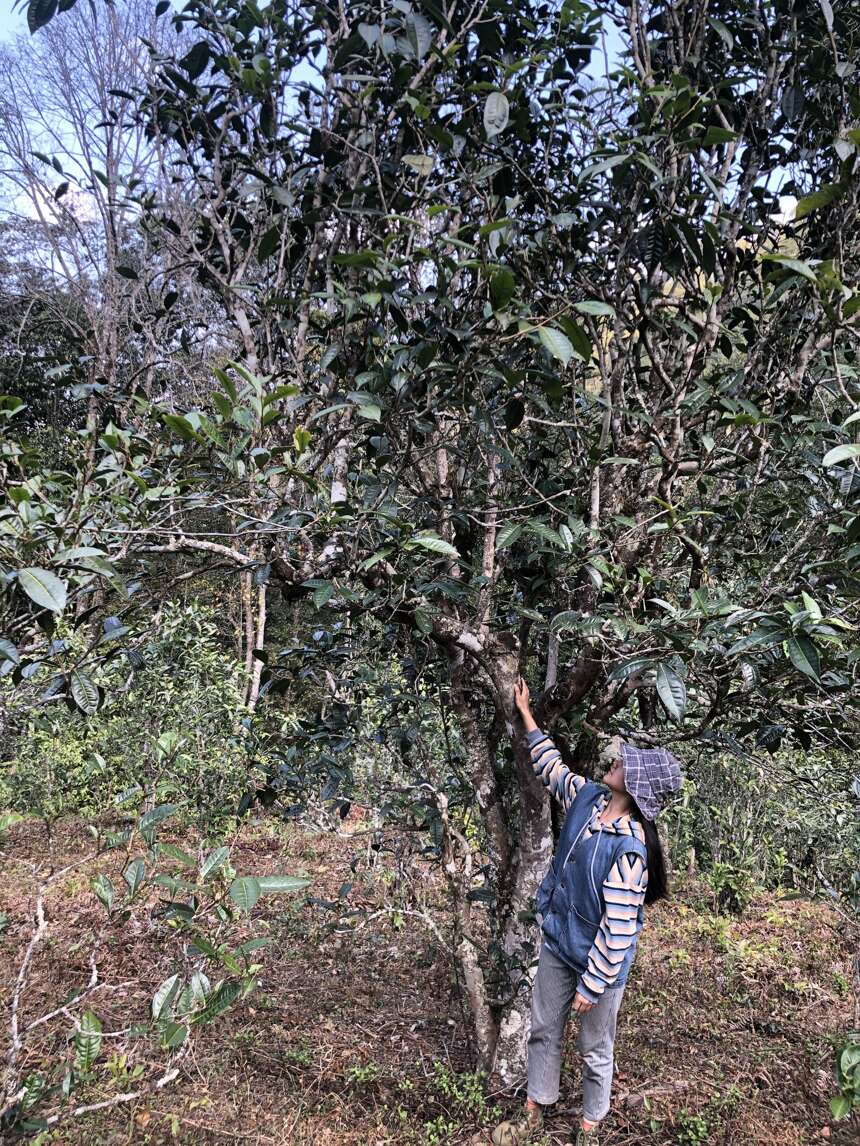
(657, 883)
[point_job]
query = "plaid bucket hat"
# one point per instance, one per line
(651, 775)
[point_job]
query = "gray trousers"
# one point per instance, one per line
(552, 995)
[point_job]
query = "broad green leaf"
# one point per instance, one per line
(165, 996)
(8, 652)
(419, 32)
(39, 13)
(269, 884)
(503, 286)
(134, 874)
(213, 861)
(556, 343)
(173, 1035)
(44, 588)
(84, 692)
(544, 531)
(672, 692)
(579, 340)
(221, 1000)
(841, 454)
(817, 199)
(811, 605)
(88, 1042)
(508, 534)
(269, 243)
(797, 265)
(566, 620)
(104, 890)
(803, 655)
(156, 816)
(434, 544)
(722, 31)
(496, 114)
(595, 307)
(714, 136)
(602, 165)
(840, 1106)
(174, 852)
(199, 987)
(245, 891)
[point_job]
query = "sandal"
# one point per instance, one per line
(517, 1133)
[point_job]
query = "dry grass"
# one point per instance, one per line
(726, 1021)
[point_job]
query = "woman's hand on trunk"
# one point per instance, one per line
(521, 695)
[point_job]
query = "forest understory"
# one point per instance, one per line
(356, 1034)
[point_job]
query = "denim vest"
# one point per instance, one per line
(570, 897)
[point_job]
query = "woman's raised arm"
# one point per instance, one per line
(546, 758)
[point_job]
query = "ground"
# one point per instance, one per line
(725, 1035)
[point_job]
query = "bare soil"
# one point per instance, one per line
(357, 1033)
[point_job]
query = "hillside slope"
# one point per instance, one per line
(354, 1038)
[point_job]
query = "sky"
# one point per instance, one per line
(11, 23)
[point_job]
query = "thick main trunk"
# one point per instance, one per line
(519, 856)
(519, 939)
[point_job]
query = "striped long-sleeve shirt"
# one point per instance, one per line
(625, 885)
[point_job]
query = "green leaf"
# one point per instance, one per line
(84, 692)
(104, 890)
(434, 544)
(717, 135)
(419, 33)
(39, 13)
(601, 166)
(44, 588)
(220, 1000)
(508, 534)
(595, 307)
(165, 996)
(566, 620)
(817, 199)
(503, 286)
(811, 605)
(88, 1042)
(322, 594)
(134, 874)
(174, 852)
(271, 884)
(182, 427)
(840, 1106)
(556, 343)
(269, 243)
(194, 61)
(841, 454)
(796, 265)
(8, 652)
(156, 816)
(672, 692)
(803, 655)
(722, 31)
(245, 891)
(173, 1035)
(579, 340)
(496, 114)
(213, 861)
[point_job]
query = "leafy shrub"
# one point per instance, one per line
(169, 727)
(847, 1077)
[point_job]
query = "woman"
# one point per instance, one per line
(607, 865)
